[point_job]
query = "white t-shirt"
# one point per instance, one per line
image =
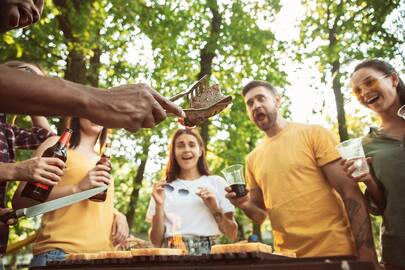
(187, 214)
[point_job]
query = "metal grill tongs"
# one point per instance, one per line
(204, 102)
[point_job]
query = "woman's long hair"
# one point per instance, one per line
(75, 139)
(173, 168)
(385, 68)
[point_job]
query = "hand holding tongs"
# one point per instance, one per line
(197, 116)
(190, 90)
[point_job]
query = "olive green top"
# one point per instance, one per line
(389, 169)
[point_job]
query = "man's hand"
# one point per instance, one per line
(19, 13)
(120, 230)
(132, 107)
(11, 221)
(252, 203)
(237, 201)
(43, 170)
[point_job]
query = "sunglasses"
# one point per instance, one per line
(181, 191)
(26, 69)
(367, 83)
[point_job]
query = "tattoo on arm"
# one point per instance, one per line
(363, 235)
(353, 207)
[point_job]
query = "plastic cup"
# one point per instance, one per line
(353, 150)
(234, 176)
(401, 112)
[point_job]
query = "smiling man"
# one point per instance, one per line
(295, 179)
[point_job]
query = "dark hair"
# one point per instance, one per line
(75, 139)
(173, 168)
(257, 83)
(386, 68)
(18, 64)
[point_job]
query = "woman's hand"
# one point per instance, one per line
(120, 230)
(96, 177)
(349, 167)
(158, 193)
(208, 198)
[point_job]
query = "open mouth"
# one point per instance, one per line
(373, 99)
(260, 116)
(187, 157)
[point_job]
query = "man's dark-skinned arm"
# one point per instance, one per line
(132, 106)
(356, 208)
(252, 204)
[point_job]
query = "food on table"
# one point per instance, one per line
(241, 248)
(158, 252)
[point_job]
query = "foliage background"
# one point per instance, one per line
(169, 44)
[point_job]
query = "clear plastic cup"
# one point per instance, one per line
(353, 150)
(234, 176)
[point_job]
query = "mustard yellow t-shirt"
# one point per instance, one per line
(306, 214)
(81, 227)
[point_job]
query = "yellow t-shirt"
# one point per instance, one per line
(306, 214)
(81, 227)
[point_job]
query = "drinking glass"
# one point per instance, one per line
(234, 176)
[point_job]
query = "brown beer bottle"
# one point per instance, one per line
(105, 159)
(38, 191)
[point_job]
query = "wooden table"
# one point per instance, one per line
(232, 261)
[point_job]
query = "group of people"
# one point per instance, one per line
(295, 176)
(22, 91)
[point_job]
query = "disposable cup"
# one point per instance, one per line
(353, 150)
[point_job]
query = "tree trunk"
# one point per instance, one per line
(94, 68)
(336, 75)
(207, 54)
(339, 99)
(137, 184)
(13, 261)
(76, 70)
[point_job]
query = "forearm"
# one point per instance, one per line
(359, 222)
(44, 95)
(40, 121)
(256, 214)
(8, 172)
(226, 224)
(376, 194)
(158, 228)
(62, 191)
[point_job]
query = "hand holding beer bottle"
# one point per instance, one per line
(105, 159)
(39, 191)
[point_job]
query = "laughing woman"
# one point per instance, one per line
(378, 87)
(191, 202)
